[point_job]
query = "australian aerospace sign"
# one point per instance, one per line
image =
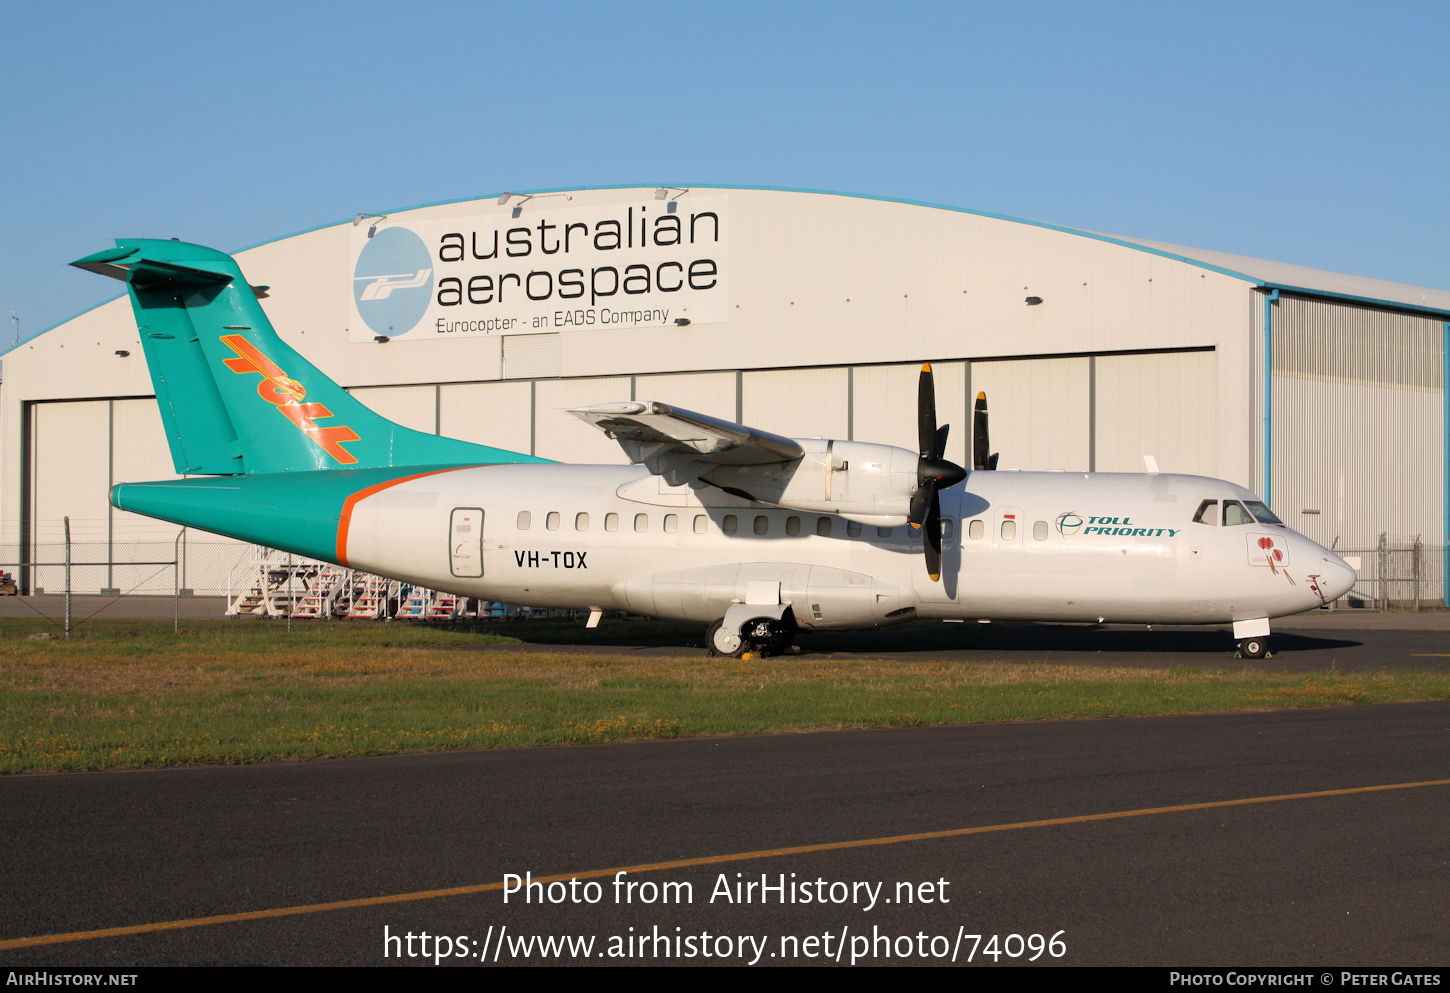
(622, 265)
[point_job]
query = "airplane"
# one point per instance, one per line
(755, 535)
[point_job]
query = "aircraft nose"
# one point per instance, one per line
(1337, 577)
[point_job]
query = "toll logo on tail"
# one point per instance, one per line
(287, 395)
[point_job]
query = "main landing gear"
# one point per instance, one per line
(763, 636)
(1254, 648)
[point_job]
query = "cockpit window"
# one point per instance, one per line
(1234, 513)
(1261, 513)
(1207, 513)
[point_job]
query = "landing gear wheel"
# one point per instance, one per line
(722, 642)
(1254, 648)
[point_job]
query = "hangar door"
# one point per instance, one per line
(78, 450)
(1164, 405)
(1038, 412)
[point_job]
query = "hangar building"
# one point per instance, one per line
(804, 313)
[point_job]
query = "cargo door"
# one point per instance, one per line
(465, 542)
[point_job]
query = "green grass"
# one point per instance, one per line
(256, 635)
(132, 694)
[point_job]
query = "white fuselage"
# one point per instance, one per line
(1054, 546)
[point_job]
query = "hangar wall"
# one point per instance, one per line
(1358, 422)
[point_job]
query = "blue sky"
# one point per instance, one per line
(1310, 133)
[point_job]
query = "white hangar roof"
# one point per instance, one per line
(1284, 276)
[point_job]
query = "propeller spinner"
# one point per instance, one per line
(933, 473)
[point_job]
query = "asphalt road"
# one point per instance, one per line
(1349, 640)
(1361, 878)
(1310, 648)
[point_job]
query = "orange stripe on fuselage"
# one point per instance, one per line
(344, 521)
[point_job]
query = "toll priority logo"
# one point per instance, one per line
(1069, 523)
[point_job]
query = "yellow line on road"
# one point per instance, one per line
(769, 853)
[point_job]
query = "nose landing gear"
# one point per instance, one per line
(1254, 648)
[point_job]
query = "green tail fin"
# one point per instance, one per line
(237, 399)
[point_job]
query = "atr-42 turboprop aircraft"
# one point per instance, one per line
(751, 533)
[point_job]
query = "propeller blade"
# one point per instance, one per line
(926, 433)
(921, 502)
(981, 444)
(932, 472)
(933, 538)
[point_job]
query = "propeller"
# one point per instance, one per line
(981, 444)
(933, 473)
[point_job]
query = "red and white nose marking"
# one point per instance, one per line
(1268, 551)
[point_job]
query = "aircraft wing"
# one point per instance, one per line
(681, 444)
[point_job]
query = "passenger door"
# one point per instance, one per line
(465, 542)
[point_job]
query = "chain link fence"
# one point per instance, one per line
(1395, 573)
(197, 575)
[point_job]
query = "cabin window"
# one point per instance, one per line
(975, 530)
(762, 524)
(730, 524)
(948, 528)
(883, 532)
(611, 522)
(552, 521)
(581, 522)
(1039, 530)
(1234, 513)
(701, 523)
(525, 519)
(1207, 513)
(823, 527)
(1009, 530)
(672, 523)
(641, 522)
(1262, 513)
(792, 526)
(853, 530)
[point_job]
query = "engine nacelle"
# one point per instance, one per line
(862, 482)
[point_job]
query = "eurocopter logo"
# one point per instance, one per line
(382, 287)
(392, 282)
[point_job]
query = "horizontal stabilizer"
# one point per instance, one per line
(129, 266)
